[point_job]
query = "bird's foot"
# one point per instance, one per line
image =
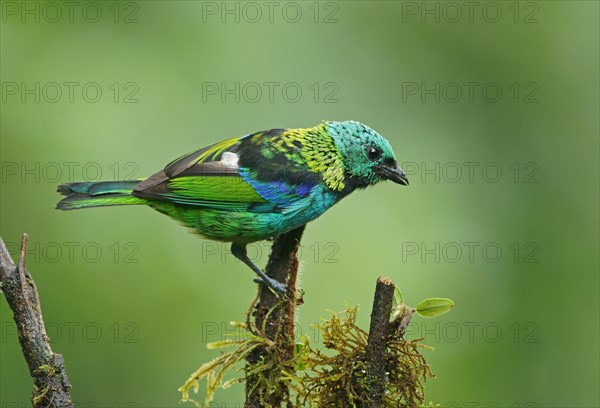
(278, 287)
(239, 251)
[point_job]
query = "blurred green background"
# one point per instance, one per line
(491, 107)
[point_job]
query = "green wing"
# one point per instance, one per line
(203, 178)
(215, 191)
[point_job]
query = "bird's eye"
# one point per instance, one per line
(374, 153)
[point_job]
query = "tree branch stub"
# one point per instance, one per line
(376, 351)
(47, 369)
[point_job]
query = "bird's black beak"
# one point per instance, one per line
(393, 173)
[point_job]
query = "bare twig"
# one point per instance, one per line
(376, 351)
(275, 317)
(51, 385)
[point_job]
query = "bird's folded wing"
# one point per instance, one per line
(211, 177)
(228, 192)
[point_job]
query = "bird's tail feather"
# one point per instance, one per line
(98, 194)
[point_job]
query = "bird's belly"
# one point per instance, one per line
(244, 226)
(247, 227)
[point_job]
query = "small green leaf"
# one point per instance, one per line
(434, 307)
(397, 303)
(398, 298)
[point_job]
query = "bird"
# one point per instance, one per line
(255, 187)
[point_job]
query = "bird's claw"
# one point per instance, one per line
(276, 286)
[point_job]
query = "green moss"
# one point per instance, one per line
(338, 377)
(334, 375)
(214, 371)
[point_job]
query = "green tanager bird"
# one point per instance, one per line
(257, 186)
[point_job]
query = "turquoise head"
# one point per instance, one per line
(368, 157)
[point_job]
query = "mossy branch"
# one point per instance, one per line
(50, 383)
(274, 318)
(376, 369)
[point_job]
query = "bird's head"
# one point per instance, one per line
(368, 156)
